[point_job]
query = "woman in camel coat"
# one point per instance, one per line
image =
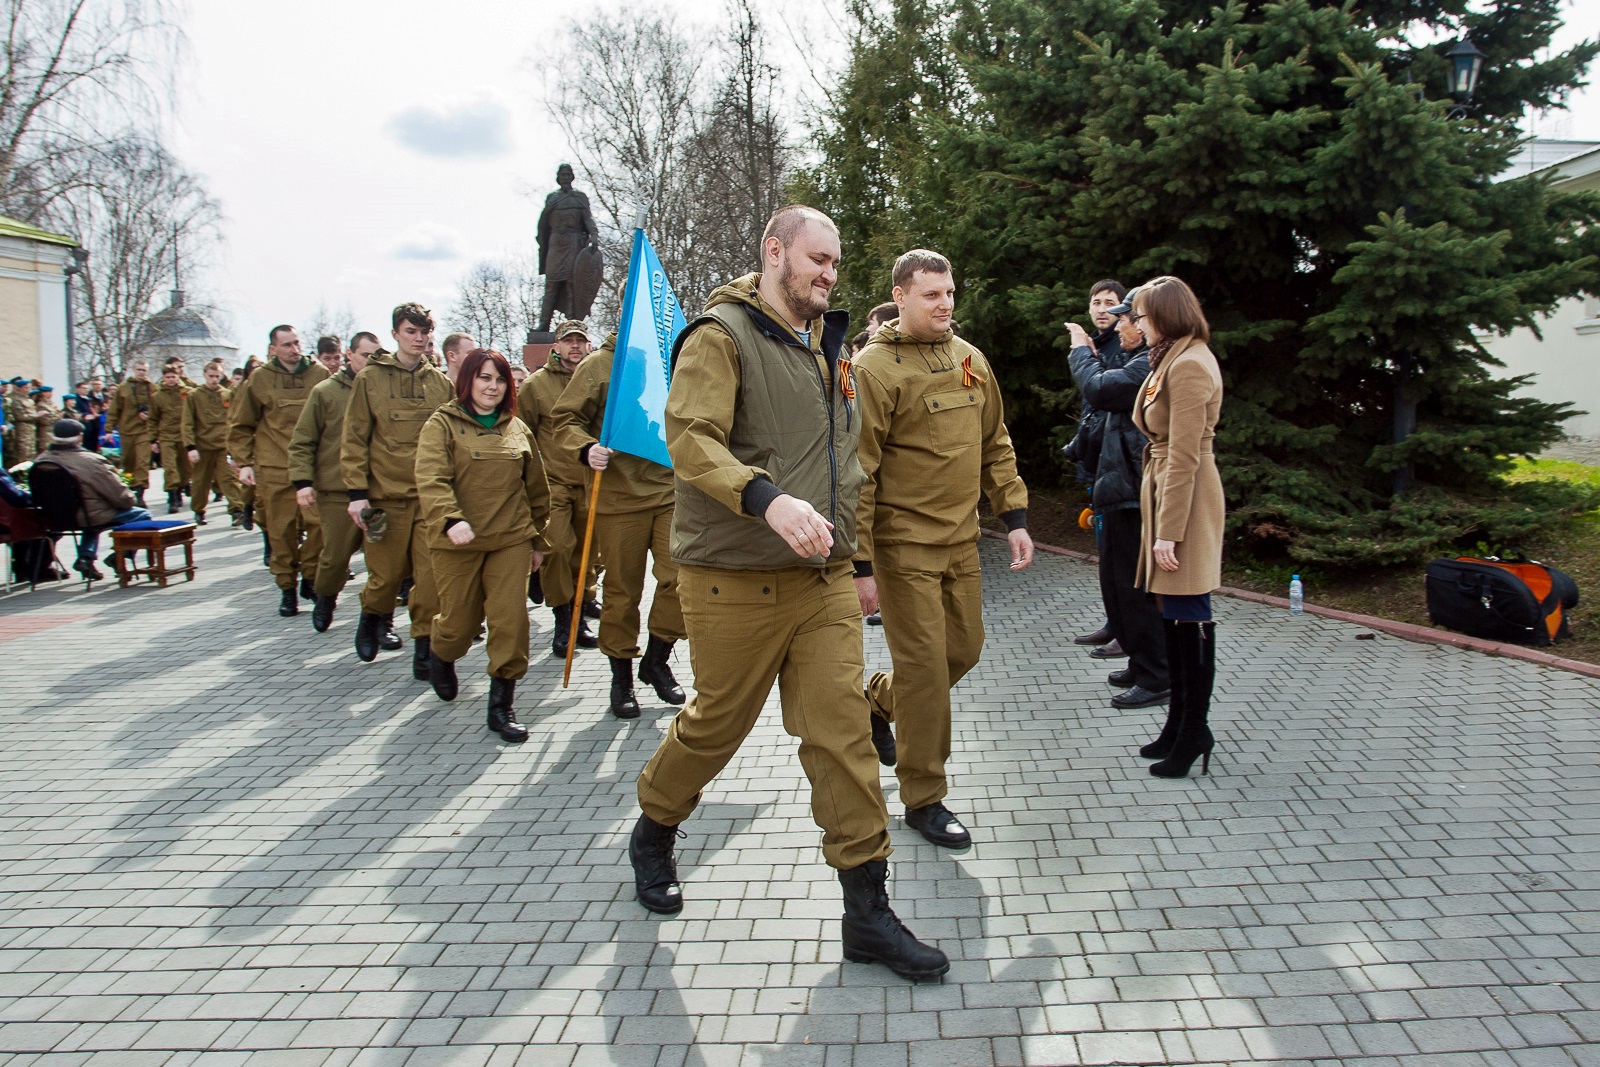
(1181, 499)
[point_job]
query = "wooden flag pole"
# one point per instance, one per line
(583, 575)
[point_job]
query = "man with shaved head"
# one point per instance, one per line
(762, 427)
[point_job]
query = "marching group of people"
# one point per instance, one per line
(814, 481)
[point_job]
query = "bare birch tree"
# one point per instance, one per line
(70, 70)
(497, 302)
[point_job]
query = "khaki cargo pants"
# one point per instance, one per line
(475, 587)
(212, 468)
(341, 539)
(293, 532)
(569, 512)
(801, 626)
(932, 602)
(136, 458)
(625, 541)
(175, 468)
(403, 553)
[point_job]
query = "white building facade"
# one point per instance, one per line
(33, 303)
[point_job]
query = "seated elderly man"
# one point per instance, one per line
(106, 501)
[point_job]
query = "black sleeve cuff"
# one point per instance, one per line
(583, 454)
(357, 494)
(301, 483)
(451, 522)
(758, 495)
(1015, 519)
(863, 568)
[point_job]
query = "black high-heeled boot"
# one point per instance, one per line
(1197, 646)
(1161, 747)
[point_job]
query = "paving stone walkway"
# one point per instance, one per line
(224, 841)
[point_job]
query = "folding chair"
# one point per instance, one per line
(56, 493)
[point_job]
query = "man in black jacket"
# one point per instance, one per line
(1109, 370)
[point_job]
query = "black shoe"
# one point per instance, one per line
(442, 674)
(1099, 637)
(875, 619)
(138, 497)
(289, 604)
(1122, 679)
(322, 612)
(199, 518)
(934, 822)
(591, 609)
(236, 518)
(873, 933)
(1110, 651)
(882, 737)
(563, 631)
(421, 651)
(87, 568)
(1139, 697)
(655, 874)
(502, 716)
(586, 637)
(174, 503)
(624, 705)
(388, 640)
(367, 636)
(308, 588)
(247, 517)
(656, 672)
(403, 598)
(216, 495)
(266, 550)
(535, 587)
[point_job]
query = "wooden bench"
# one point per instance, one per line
(153, 540)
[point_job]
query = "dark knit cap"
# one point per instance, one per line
(66, 429)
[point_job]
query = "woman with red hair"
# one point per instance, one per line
(485, 501)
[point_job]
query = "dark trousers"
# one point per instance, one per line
(1134, 617)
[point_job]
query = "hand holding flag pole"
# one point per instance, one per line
(636, 400)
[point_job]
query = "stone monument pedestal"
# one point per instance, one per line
(536, 352)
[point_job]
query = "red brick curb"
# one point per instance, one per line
(1409, 631)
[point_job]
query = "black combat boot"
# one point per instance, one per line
(367, 636)
(563, 634)
(322, 612)
(591, 609)
(308, 587)
(624, 705)
(502, 716)
(874, 934)
(247, 518)
(655, 874)
(388, 640)
(882, 738)
(586, 637)
(174, 501)
(421, 654)
(266, 550)
(289, 604)
(442, 673)
(656, 672)
(236, 519)
(138, 497)
(535, 587)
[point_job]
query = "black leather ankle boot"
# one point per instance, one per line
(872, 933)
(388, 640)
(421, 651)
(442, 674)
(322, 612)
(624, 705)
(655, 873)
(502, 716)
(367, 636)
(656, 672)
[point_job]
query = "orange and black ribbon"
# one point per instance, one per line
(968, 378)
(847, 384)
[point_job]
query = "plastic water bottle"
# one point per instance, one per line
(1297, 596)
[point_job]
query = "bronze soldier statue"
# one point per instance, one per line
(569, 252)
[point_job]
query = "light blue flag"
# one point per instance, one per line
(635, 419)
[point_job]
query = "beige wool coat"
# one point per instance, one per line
(1180, 496)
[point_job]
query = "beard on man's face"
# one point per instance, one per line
(804, 302)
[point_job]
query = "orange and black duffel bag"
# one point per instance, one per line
(1522, 603)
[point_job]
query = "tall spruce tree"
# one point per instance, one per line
(1295, 163)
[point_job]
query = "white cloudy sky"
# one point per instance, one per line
(367, 152)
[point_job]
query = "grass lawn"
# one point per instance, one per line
(1390, 593)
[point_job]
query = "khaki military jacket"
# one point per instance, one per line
(205, 418)
(45, 417)
(536, 404)
(933, 439)
(264, 411)
(166, 413)
(629, 483)
(388, 405)
(126, 400)
(489, 478)
(314, 448)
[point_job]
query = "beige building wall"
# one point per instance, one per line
(33, 329)
(19, 327)
(1565, 364)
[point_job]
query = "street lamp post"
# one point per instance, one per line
(1466, 63)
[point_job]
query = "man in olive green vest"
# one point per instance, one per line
(632, 527)
(314, 470)
(569, 485)
(262, 420)
(933, 439)
(205, 439)
(166, 412)
(389, 401)
(130, 416)
(762, 431)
